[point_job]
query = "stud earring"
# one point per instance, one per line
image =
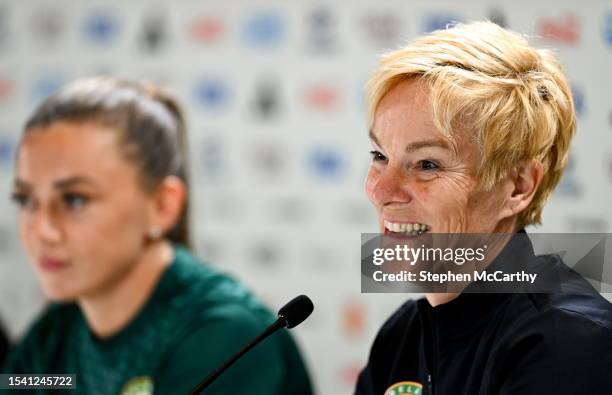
(155, 232)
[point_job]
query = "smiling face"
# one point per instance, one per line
(422, 180)
(83, 215)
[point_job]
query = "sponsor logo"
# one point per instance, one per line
(265, 254)
(47, 84)
(382, 29)
(101, 27)
(5, 19)
(569, 185)
(264, 30)
(326, 163)
(47, 25)
(266, 103)
(607, 28)
(354, 319)
(212, 159)
(267, 161)
(211, 94)
(7, 148)
(206, 29)
(564, 30)
(578, 95)
(322, 97)
(321, 31)
(6, 90)
(439, 21)
(405, 388)
(497, 16)
(350, 372)
(154, 33)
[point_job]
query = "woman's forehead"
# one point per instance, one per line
(64, 151)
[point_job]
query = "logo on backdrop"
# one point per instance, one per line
(439, 21)
(579, 102)
(382, 29)
(326, 163)
(264, 30)
(211, 94)
(206, 29)
(46, 84)
(7, 147)
(267, 160)
(4, 26)
(607, 28)
(569, 185)
(322, 97)
(6, 90)
(321, 31)
(47, 26)
(498, 17)
(212, 159)
(266, 103)
(154, 33)
(101, 27)
(563, 30)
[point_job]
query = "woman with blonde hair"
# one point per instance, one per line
(102, 189)
(471, 129)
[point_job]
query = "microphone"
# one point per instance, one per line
(289, 316)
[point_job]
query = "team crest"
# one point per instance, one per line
(140, 385)
(405, 388)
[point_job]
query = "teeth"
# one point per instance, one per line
(410, 229)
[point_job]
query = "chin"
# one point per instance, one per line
(59, 294)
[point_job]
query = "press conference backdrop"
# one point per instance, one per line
(274, 96)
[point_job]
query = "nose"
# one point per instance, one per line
(387, 186)
(45, 226)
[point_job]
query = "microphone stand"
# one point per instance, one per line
(278, 324)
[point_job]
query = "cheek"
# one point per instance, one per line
(371, 180)
(26, 234)
(108, 232)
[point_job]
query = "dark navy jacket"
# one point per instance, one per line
(497, 343)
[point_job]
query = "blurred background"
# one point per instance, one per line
(273, 93)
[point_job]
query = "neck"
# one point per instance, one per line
(110, 310)
(508, 226)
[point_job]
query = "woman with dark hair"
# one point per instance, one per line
(102, 188)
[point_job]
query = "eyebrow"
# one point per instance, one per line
(61, 184)
(416, 145)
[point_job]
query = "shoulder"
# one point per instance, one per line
(43, 338)
(401, 324)
(55, 318)
(207, 294)
(561, 324)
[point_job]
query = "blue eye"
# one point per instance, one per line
(377, 156)
(428, 165)
(73, 200)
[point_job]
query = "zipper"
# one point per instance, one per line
(434, 351)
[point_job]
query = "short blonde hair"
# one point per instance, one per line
(514, 98)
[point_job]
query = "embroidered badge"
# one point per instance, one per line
(405, 388)
(140, 385)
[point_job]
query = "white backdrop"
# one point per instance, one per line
(279, 150)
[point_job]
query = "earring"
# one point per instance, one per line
(155, 232)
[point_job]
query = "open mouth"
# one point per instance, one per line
(406, 229)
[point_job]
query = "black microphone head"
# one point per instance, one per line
(296, 311)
